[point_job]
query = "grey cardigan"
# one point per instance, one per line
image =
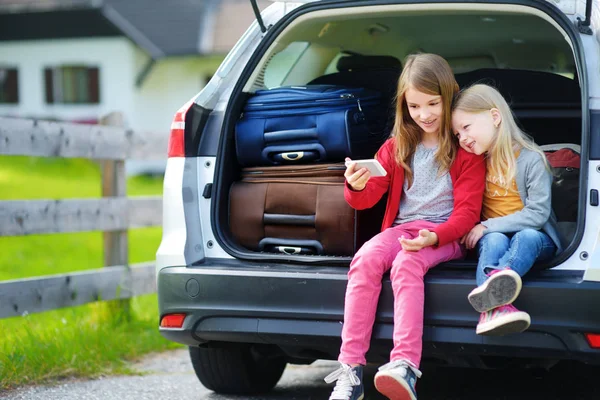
(534, 183)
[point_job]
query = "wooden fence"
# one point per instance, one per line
(113, 214)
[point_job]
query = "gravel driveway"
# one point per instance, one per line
(170, 376)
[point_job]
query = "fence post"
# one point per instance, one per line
(114, 184)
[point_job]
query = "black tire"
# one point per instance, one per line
(237, 368)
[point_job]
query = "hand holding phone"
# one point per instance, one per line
(372, 165)
(358, 172)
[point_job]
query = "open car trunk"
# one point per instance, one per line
(528, 53)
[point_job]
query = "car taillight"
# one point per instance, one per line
(177, 138)
(172, 321)
(593, 340)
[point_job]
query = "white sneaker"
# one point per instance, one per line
(349, 383)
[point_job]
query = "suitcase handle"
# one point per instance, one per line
(291, 246)
(289, 219)
(291, 135)
(295, 156)
(287, 154)
(290, 249)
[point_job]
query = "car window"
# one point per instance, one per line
(282, 63)
(332, 67)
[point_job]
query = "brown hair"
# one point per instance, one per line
(430, 74)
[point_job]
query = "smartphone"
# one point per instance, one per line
(372, 165)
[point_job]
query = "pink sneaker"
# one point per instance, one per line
(503, 320)
(502, 287)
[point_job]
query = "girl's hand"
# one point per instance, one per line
(470, 239)
(426, 238)
(357, 179)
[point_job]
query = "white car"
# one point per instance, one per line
(245, 314)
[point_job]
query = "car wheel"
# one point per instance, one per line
(237, 368)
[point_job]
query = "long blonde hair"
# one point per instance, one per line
(430, 74)
(509, 137)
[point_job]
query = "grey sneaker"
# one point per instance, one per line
(502, 287)
(397, 380)
(349, 384)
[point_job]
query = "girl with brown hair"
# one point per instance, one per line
(435, 190)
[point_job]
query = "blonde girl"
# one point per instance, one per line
(518, 227)
(434, 193)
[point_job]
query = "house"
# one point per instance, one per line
(77, 60)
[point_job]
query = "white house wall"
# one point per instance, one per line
(113, 56)
(167, 86)
(170, 83)
(150, 107)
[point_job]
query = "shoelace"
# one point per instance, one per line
(346, 378)
(401, 363)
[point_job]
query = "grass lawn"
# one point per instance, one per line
(81, 341)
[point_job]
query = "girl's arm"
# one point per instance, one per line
(537, 207)
(468, 196)
(376, 186)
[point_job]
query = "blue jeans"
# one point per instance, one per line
(518, 251)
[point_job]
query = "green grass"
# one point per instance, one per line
(37, 255)
(55, 178)
(84, 341)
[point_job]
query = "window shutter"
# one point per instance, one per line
(94, 85)
(49, 83)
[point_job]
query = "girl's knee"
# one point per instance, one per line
(374, 247)
(528, 232)
(494, 239)
(367, 265)
(528, 235)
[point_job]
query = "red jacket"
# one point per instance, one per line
(468, 181)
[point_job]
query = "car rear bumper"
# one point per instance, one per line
(300, 309)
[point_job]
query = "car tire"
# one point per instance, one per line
(237, 368)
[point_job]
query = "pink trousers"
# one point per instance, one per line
(407, 268)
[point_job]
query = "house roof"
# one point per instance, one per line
(161, 27)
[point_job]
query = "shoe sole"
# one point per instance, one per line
(515, 322)
(361, 397)
(501, 288)
(392, 388)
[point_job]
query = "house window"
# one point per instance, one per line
(72, 84)
(9, 86)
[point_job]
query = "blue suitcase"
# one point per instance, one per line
(318, 123)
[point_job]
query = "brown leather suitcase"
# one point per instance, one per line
(293, 209)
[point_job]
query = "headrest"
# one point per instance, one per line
(523, 87)
(358, 62)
